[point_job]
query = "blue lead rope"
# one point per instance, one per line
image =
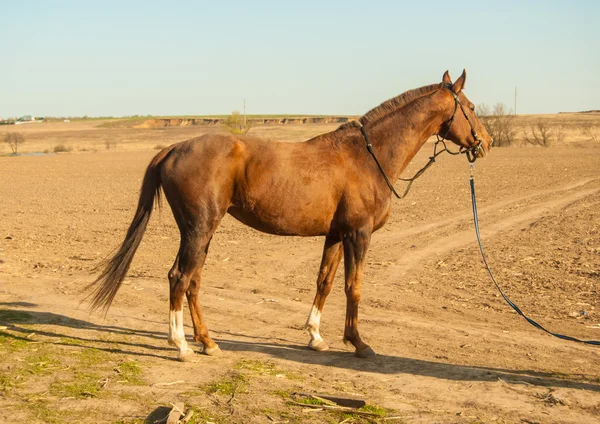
(512, 305)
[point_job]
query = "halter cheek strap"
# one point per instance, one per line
(472, 151)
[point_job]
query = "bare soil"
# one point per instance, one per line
(449, 349)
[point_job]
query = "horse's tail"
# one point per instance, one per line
(109, 281)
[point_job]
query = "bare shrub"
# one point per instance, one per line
(61, 148)
(14, 139)
(591, 131)
(499, 123)
(237, 123)
(539, 134)
(559, 133)
(110, 144)
(483, 110)
(159, 147)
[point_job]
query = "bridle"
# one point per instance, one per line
(471, 152)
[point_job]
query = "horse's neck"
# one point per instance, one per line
(398, 137)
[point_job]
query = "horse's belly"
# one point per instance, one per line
(279, 219)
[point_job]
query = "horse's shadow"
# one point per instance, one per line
(282, 349)
(387, 364)
(14, 319)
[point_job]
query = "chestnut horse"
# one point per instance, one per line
(327, 186)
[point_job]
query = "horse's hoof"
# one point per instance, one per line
(319, 346)
(366, 352)
(213, 351)
(187, 356)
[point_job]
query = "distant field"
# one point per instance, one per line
(138, 133)
(92, 136)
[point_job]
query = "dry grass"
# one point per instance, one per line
(61, 148)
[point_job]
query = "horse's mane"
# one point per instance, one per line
(391, 105)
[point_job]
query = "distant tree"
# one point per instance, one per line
(539, 134)
(499, 123)
(559, 133)
(237, 123)
(591, 131)
(483, 110)
(13, 139)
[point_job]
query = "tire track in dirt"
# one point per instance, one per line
(441, 245)
(482, 210)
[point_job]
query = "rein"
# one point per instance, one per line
(512, 305)
(471, 152)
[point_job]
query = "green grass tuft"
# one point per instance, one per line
(286, 394)
(84, 386)
(130, 373)
(357, 418)
(310, 401)
(9, 382)
(229, 386)
(12, 343)
(374, 409)
(93, 356)
(47, 412)
(265, 367)
(41, 364)
(257, 366)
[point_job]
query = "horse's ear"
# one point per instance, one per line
(459, 84)
(446, 79)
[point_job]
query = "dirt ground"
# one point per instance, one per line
(449, 349)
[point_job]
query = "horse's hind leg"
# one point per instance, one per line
(200, 330)
(332, 255)
(184, 277)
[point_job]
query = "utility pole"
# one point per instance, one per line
(515, 99)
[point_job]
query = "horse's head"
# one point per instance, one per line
(464, 127)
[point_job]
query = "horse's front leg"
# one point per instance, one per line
(356, 244)
(332, 255)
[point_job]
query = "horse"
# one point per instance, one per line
(331, 186)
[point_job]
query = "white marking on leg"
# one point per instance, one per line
(313, 323)
(177, 333)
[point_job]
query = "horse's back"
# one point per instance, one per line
(276, 187)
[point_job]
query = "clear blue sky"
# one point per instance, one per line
(62, 58)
